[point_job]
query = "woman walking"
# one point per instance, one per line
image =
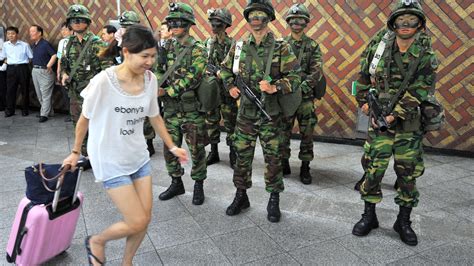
(116, 103)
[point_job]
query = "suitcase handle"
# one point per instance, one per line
(23, 232)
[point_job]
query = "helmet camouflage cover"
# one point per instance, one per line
(181, 11)
(220, 14)
(78, 11)
(262, 5)
(298, 11)
(407, 7)
(129, 18)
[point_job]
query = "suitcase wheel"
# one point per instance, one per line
(9, 259)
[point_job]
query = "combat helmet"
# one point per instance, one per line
(181, 11)
(298, 11)
(78, 11)
(262, 5)
(407, 7)
(220, 14)
(129, 18)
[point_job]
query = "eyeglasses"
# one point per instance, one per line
(78, 20)
(174, 24)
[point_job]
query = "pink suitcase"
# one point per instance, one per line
(38, 233)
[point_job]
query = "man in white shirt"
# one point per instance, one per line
(66, 31)
(17, 55)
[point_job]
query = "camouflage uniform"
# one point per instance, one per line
(404, 138)
(87, 68)
(228, 108)
(311, 65)
(181, 115)
(250, 120)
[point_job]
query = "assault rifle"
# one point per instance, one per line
(212, 69)
(239, 81)
(376, 111)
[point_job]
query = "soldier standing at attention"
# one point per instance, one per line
(185, 66)
(399, 68)
(80, 61)
(270, 70)
(218, 46)
(310, 59)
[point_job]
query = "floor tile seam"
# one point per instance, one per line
(274, 240)
(448, 210)
(337, 242)
(446, 181)
(154, 247)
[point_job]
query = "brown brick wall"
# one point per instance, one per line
(342, 27)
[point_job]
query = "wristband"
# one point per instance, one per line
(75, 152)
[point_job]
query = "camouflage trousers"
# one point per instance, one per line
(307, 120)
(228, 113)
(192, 128)
(75, 104)
(408, 156)
(244, 139)
(148, 129)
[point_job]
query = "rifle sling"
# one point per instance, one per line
(173, 67)
(75, 67)
(406, 76)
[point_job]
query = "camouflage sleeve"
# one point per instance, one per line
(418, 90)
(226, 73)
(289, 70)
(363, 82)
(315, 67)
(193, 74)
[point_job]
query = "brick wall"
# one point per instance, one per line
(341, 27)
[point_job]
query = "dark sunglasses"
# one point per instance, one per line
(78, 20)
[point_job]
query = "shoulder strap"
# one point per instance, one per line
(173, 67)
(300, 54)
(378, 53)
(81, 56)
(259, 61)
(238, 50)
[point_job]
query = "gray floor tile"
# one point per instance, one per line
(219, 223)
(200, 252)
(324, 254)
(75, 255)
(280, 259)
(440, 174)
(246, 245)
(11, 199)
(379, 247)
(174, 232)
(413, 260)
(145, 259)
(452, 254)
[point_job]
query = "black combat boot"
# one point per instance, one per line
(403, 227)
(285, 166)
(213, 156)
(305, 175)
(176, 188)
(232, 157)
(241, 201)
(359, 183)
(273, 207)
(368, 222)
(150, 148)
(198, 195)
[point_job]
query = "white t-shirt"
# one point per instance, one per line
(61, 46)
(116, 144)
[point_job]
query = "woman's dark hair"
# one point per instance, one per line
(110, 29)
(138, 38)
(66, 25)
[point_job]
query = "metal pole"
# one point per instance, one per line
(118, 8)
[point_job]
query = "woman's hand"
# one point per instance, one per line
(72, 160)
(180, 153)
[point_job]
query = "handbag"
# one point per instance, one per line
(42, 180)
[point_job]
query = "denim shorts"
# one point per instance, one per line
(124, 180)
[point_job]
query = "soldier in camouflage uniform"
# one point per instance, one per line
(251, 123)
(181, 115)
(218, 47)
(406, 46)
(310, 59)
(79, 18)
